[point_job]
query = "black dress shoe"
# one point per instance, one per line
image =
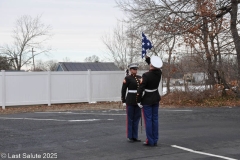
(130, 140)
(155, 144)
(136, 140)
(146, 144)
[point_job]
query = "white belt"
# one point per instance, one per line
(132, 91)
(150, 90)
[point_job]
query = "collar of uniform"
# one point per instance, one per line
(155, 69)
(134, 75)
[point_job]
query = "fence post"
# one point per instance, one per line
(49, 88)
(3, 89)
(89, 86)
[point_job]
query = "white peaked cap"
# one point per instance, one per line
(156, 62)
(133, 65)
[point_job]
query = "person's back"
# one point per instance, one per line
(150, 100)
(150, 86)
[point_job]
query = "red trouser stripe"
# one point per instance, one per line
(144, 117)
(127, 121)
(144, 121)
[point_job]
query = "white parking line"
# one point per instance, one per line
(110, 114)
(177, 110)
(203, 153)
(60, 120)
(104, 114)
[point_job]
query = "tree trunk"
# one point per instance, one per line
(236, 37)
(208, 55)
(169, 72)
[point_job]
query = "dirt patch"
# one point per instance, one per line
(68, 107)
(61, 107)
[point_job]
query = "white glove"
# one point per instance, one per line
(124, 104)
(139, 105)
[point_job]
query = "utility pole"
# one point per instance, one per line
(33, 59)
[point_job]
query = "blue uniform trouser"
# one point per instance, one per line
(150, 113)
(133, 117)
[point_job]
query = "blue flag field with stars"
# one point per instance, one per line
(146, 44)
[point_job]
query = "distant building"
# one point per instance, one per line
(200, 77)
(84, 66)
(197, 78)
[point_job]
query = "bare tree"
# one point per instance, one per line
(51, 65)
(39, 66)
(232, 8)
(66, 59)
(123, 45)
(92, 58)
(46, 66)
(193, 21)
(29, 38)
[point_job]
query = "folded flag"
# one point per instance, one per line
(146, 44)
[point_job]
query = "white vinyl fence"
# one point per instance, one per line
(31, 88)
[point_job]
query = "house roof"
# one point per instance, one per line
(84, 66)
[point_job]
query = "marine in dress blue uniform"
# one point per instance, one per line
(150, 100)
(128, 94)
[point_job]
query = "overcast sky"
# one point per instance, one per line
(77, 25)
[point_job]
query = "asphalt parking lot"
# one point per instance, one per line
(185, 134)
